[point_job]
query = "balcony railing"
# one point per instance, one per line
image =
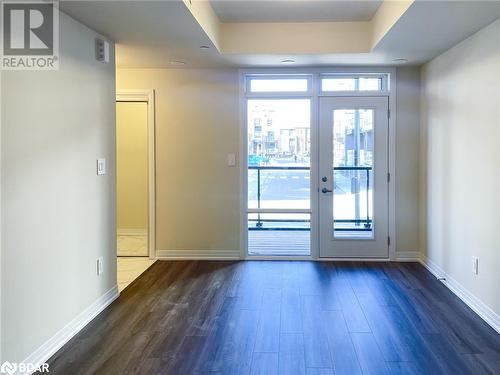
(360, 224)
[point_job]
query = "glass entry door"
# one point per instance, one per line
(353, 186)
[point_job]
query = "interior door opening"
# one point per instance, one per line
(135, 198)
(132, 179)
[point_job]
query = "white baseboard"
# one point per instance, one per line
(198, 254)
(56, 342)
(132, 232)
(478, 306)
(407, 256)
(401, 256)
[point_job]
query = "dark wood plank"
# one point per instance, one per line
(291, 354)
(316, 347)
(345, 361)
(268, 332)
(387, 331)
(319, 371)
(291, 314)
(265, 364)
(354, 316)
(369, 356)
(261, 317)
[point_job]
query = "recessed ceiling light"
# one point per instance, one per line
(204, 47)
(401, 60)
(288, 61)
(177, 63)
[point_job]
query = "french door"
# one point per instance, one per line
(353, 171)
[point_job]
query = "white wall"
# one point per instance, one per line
(407, 161)
(57, 215)
(460, 191)
(197, 124)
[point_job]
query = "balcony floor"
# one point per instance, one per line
(279, 242)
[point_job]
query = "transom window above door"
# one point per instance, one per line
(261, 84)
(349, 83)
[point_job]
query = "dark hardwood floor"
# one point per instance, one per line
(270, 317)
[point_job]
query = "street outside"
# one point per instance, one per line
(280, 189)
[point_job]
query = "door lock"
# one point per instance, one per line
(325, 190)
(324, 179)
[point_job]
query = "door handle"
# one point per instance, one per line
(325, 190)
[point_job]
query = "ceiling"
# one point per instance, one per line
(148, 34)
(294, 11)
(152, 34)
(432, 27)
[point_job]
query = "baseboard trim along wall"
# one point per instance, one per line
(56, 342)
(198, 254)
(407, 256)
(401, 256)
(479, 307)
(132, 232)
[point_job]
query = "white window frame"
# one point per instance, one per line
(314, 93)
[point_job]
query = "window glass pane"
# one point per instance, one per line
(279, 153)
(277, 85)
(370, 84)
(338, 84)
(351, 84)
(353, 173)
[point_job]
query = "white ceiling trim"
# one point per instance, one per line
(297, 37)
(278, 11)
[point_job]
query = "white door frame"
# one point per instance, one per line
(147, 96)
(314, 95)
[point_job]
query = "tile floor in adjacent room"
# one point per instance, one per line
(130, 268)
(132, 245)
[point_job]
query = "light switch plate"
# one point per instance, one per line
(231, 160)
(101, 166)
(475, 265)
(99, 268)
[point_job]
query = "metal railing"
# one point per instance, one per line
(360, 224)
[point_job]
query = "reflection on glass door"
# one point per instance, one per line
(279, 178)
(353, 172)
(353, 158)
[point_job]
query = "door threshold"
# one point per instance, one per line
(278, 257)
(310, 257)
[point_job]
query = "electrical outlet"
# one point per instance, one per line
(99, 266)
(231, 160)
(475, 265)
